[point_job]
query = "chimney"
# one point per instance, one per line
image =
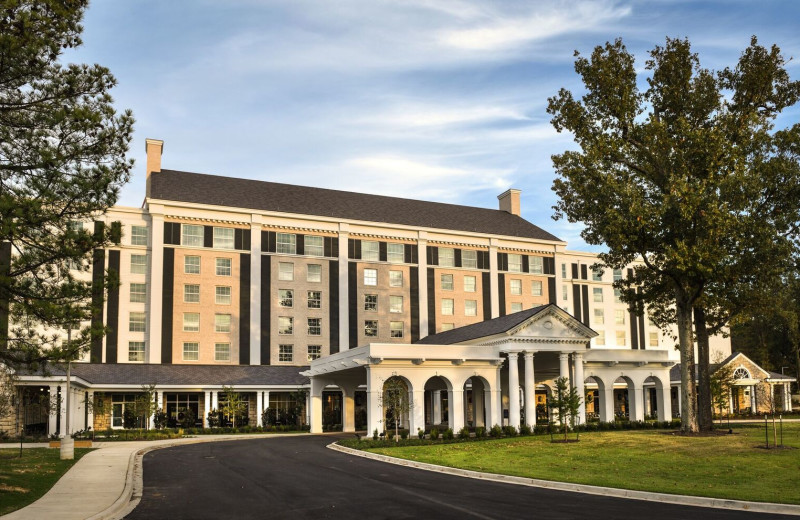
(509, 201)
(154, 148)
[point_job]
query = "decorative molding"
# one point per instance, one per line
(390, 237)
(213, 220)
(329, 232)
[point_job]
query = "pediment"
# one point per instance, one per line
(552, 323)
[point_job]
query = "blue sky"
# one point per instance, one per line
(437, 100)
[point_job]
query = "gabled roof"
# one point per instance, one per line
(675, 371)
(216, 190)
(482, 329)
(189, 375)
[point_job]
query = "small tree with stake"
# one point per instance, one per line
(234, 404)
(566, 402)
(394, 400)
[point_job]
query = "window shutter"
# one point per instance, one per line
(237, 239)
(382, 252)
(246, 239)
(208, 236)
(116, 231)
(574, 271)
(584, 272)
(525, 264)
(457, 257)
(300, 244)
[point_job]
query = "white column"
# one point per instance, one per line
(513, 390)
(563, 365)
(679, 400)
(215, 399)
(753, 402)
(90, 410)
(259, 407)
(265, 404)
(344, 316)
(787, 392)
(493, 282)
(422, 281)
(374, 415)
(417, 411)
(62, 412)
(152, 422)
(664, 401)
(317, 387)
(348, 409)
(436, 409)
(456, 412)
(636, 403)
(530, 391)
(255, 291)
(577, 361)
(607, 403)
(206, 408)
(155, 285)
(478, 400)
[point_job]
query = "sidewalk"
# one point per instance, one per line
(101, 484)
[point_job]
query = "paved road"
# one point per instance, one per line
(297, 477)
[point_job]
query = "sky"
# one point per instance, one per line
(436, 100)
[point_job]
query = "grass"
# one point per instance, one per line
(23, 480)
(728, 466)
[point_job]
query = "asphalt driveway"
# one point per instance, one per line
(297, 477)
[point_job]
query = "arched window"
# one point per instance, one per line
(741, 373)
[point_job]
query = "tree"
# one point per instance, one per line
(689, 176)
(395, 402)
(566, 402)
(721, 385)
(232, 404)
(62, 160)
(144, 405)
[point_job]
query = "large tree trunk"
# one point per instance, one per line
(683, 311)
(705, 418)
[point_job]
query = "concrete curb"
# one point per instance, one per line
(686, 500)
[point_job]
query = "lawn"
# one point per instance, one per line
(729, 466)
(24, 480)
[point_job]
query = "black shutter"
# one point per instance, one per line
(633, 328)
(431, 302)
(502, 261)
(99, 229)
(266, 299)
(526, 265)
(335, 247)
(501, 288)
(299, 244)
(208, 236)
(407, 253)
(168, 233)
(457, 256)
(98, 294)
(413, 273)
(244, 309)
(333, 304)
(352, 302)
(551, 290)
(167, 292)
(113, 309)
(246, 239)
(326, 246)
(116, 232)
(486, 289)
(383, 253)
(265, 242)
(5, 270)
(354, 249)
(584, 272)
(585, 294)
(433, 255)
(549, 265)
(237, 239)
(574, 271)
(576, 301)
(482, 264)
(272, 241)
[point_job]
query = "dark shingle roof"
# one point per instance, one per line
(190, 375)
(481, 329)
(287, 198)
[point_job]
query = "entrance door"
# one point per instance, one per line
(331, 411)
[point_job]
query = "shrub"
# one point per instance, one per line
(463, 433)
(496, 431)
(509, 431)
(160, 419)
(420, 433)
(404, 434)
(375, 435)
(524, 430)
(434, 434)
(448, 434)
(480, 432)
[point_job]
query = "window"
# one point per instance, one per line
(516, 307)
(313, 245)
(138, 264)
(601, 338)
(191, 293)
(314, 352)
(138, 293)
(370, 302)
(395, 304)
(563, 270)
(314, 273)
(223, 238)
(741, 373)
(223, 266)
(285, 297)
(395, 278)
(136, 322)
(286, 243)
(654, 339)
(619, 317)
(516, 287)
(471, 308)
(136, 351)
(597, 294)
(222, 295)
(514, 263)
(191, 322)
(469, 259)
(447, 282)
(395, 329)
(617, 274)
(370, 277)
(620, 338)
(447, 307)
(597, 275)
(191, 264)
(371, 328)
(469, 284)
(370, 250)
(222, 351)
(617, 296)
(447, 257)
(191, 235)
(537, 265)
(599, 316)
(138, 235)
(191, 351)
(447, 326)
(286, 353)
(536, 288)
(222, 323)
(314, 326)
(564, 295)
(314, 299)
(395, 253)
(285, 325)
(285, 271)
